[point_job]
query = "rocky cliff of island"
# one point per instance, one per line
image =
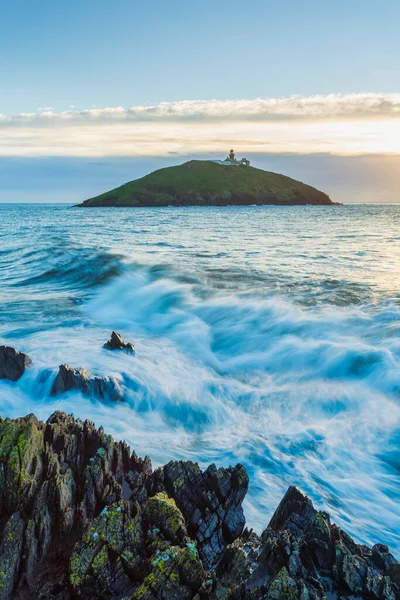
(208, 183)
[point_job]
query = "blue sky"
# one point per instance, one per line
(128, 52)
(98, 80)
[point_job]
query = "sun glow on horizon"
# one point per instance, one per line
(339, 125)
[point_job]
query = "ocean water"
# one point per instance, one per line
(265, 335)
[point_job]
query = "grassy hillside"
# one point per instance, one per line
(207, 183)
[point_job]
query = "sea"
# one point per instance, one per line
(268, 336)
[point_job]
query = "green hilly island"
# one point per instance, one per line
(208, 183)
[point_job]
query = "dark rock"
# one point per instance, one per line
(116, 342)
(295, 512)
(381, 556)
(68, 379)
(80, 516)
(393, 573)
(210, 501)
(13, 364)
(302, 555)
(56, 477)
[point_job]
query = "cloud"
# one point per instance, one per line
(333, 106)
(336, 123)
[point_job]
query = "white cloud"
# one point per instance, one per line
(336, 123)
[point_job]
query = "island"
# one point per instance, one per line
(211, 183)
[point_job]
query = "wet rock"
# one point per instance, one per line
(68, 379)
(116, 342)
(13, 364)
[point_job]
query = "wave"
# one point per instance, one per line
(242, 354)
(306, 396)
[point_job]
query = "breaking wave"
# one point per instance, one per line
(295, 375)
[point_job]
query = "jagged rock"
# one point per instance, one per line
(56, 477)
(210, 501)
(82, 517)
(295, 512)
(301, 555)
(116, 342)
(147, 554)
(176, 574)
(13, 364)
(68, 379)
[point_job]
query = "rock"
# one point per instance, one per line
(116, 342)
(56, 477)
(110, 556)
(147, 554)
(68, 379)
(82, 517)
(302, 555)
(13, 364)
(210, 501)
(162, 513)
(295, 512)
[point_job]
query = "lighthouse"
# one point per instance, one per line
(231, 161)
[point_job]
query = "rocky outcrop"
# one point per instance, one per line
(79, 516)
(13, 364)
(82, 517)
(68, 379)
(301, 555)
(116, 342)
(210, 501)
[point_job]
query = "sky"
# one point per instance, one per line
(124, 87)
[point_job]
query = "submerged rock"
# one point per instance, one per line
(116, 342)
(82, 517)
(79, 379)
(13, 364)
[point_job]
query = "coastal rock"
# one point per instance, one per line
(210, 501)
(302, 555)
(68, 379)
(13, 364)
(54, 479)
(116, 342)
(82, 517)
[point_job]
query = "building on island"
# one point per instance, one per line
(232, 161)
